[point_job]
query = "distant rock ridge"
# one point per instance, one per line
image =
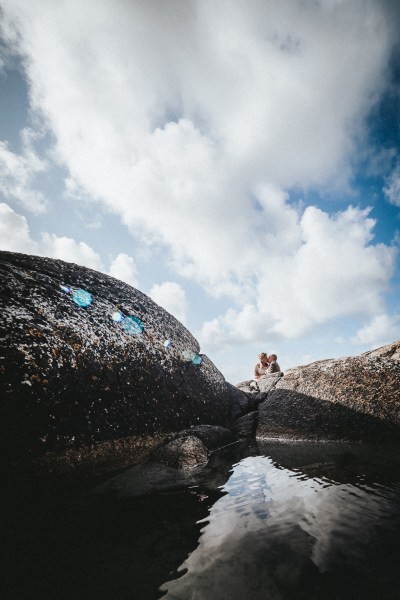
(82, 382)
(350, 398)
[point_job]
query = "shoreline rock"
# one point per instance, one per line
(352, 398)
(82, 394)
(76, 381)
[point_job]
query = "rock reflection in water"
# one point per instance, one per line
(280, 534)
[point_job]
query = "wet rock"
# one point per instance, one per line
(192, 447)
(75, 378)
(355, 398)
(185, 453)
(199, 456)
(245, 427)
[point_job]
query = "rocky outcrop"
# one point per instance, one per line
(352, 398)
(199, 456)
(92, 368)
(192, 447)
(245, 425)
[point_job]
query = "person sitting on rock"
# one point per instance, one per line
(273, 366)
(261, 367)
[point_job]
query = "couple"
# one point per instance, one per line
(267, 364)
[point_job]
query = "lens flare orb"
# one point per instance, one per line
(82, 297)
(117, 316)
(167, 343)
(197, 359)
(132, 325)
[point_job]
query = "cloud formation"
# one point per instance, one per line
(14, 232)
(18, 171)
(123, 267)
(331, 270)
(16, 237)
(172, 297)
(193, 121)
(381, 330)
(392, 188)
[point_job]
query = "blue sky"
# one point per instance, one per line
(237, 161)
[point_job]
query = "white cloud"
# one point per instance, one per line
(392, 188)
(228, 99)
(14, 232)
(332, 272)
(381, 330)
(193, 121)
(123, 267)
(68, 249)
(18, 171)
(15, 237)
(172, 297)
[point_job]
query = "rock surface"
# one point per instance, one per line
(354, 398)
(192, 447)
(199, 456)
(73, 380)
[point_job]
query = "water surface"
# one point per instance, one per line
(285, 521)
(326, 529)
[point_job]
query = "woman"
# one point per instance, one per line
(261, 367)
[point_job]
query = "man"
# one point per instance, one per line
(273, 365)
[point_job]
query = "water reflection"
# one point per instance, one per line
(278, 533)
(290, 522)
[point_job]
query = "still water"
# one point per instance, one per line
(289, 521)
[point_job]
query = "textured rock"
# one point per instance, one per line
(263, 385)
(184, 453)
(73, 379)
(348, 398)
(192, 447)
(268, 382)
(245, 426)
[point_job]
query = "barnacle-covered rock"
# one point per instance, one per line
(348, 398)
(89, 364)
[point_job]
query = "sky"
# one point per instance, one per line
(236, 160)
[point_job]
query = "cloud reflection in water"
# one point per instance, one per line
(277, 532)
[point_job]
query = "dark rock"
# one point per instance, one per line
(192, 447)
(245, 427)
(257, 391)
(183, 453)
(73, 380)
(354, 398)
(212, 436)
(200, 456)
(260, 397)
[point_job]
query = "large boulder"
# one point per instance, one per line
(79, 379)
(355, 398)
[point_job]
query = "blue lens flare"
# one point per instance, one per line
(167, 343)
(132, 325)
(82, 297)
(197, 359)
(117, 316)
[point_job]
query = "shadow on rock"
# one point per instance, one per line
(291, 414)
